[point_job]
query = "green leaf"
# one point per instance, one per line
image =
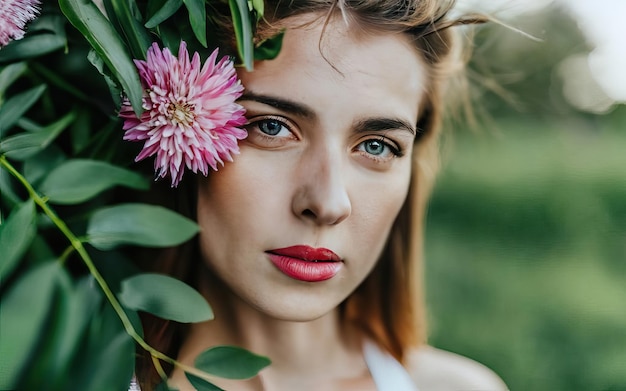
(140, 224)
(243, 31)
(169, 8)
(55, 79)
(70, 312)
(8, 75)
(17, 105)
(78, 180)
(16, 234)
(32, 46)
(8, 188)
(114, 267)
(164, 387)
(197, 19)
(106, 361)
(269, 49)
(83, 300)
(137, 37)
(231, 362)
(171, 37)
(258, 6)
(39, 165)
(25, 308)
(24, 145)
(200, 384)
(39, 251)
(165, 297)
(45, 35)
(114, 87)
(48, 22)
(80, 130)
(88, 19)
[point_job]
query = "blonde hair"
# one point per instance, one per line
(389, 305)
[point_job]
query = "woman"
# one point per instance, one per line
(310, 240)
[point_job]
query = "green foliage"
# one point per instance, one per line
(13, 109)
(16, 235)
(25, 145)
(243, 32)
(95, 27)
(8, 75)
(77, 180)
(127, 19)
(197, 19)
(46, 35)
(165, 297)
(168, 9)
(230, 362)
(140, 224)
(64, 234)
(24, 311)
(269, 48)
(525, 253)
(201, 384)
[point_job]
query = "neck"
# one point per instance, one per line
(298, 349)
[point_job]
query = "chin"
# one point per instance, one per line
(297, 311)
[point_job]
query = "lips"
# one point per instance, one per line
(307, 253)
(306, 263)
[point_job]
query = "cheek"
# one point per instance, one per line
(223, 206)
(216, 196)
(238, 200)
(378, 207)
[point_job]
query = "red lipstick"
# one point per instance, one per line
(306, 263)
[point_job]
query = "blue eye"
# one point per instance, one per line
(374, 147)
(270, 131)
(270, 127)
(379, 149)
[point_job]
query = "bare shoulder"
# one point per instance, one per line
(438, 370)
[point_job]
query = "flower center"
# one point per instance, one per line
(182, 113)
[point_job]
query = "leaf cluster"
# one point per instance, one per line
(70, 199)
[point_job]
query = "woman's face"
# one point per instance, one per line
(299, 219)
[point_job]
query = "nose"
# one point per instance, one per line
(322, 191)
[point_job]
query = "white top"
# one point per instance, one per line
(387, 372)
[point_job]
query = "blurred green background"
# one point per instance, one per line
(525, 243)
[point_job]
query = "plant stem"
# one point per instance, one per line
(68, 251)
(159, 368)
(77, 245)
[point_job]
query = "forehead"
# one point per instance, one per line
(335, 63)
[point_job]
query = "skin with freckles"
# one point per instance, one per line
(327, 164)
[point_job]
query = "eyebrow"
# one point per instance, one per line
(377, 124)
(382, 124)
(285, 105)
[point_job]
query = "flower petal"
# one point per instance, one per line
(191, 117)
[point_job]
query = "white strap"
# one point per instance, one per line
(387, 372)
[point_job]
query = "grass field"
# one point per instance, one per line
(526, 253)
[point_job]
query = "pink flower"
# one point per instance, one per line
(191, 118)
(14, 14)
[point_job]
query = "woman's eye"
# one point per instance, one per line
(271, 127)
(270, 132)
(378, 149)
(374, 147)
